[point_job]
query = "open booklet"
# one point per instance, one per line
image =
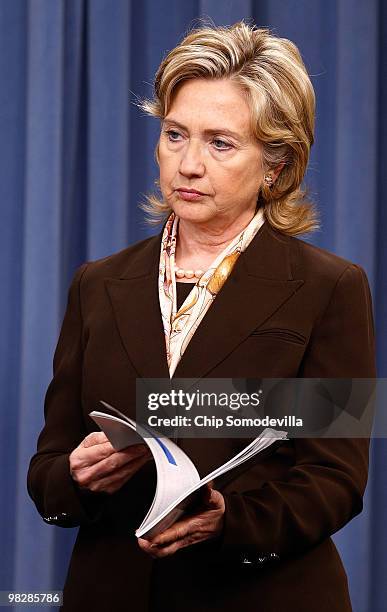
(178, 480)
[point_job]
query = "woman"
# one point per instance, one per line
(225, 290)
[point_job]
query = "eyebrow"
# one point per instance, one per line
(208, 132)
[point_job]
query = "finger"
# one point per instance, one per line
(113, 482)
(83, 457)
(136, 450)
(92, 456)
(211, 499)
(96, 437)
(171, 549)
(201, 523)
(215, 500)
(178, 531)
(206, 494)
(119, 459)
(117, 480)
(109, 466)
(158, 552)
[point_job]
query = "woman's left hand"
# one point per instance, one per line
(197, 528)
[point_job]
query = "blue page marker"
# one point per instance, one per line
(167, 452)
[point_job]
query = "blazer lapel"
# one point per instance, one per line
(135, 302)
(261, 281)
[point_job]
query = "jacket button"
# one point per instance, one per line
(50, 519)
(55, 517)
(246, 561)
(261, 560)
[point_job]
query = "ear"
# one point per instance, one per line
(276, 172)
(156, 154)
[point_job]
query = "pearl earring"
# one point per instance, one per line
(268, 180)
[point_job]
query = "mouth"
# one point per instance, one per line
(186, 190)
(190, 194)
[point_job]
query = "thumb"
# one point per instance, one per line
(212, 497)
(95, 437)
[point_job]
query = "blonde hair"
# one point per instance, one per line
(280, 94)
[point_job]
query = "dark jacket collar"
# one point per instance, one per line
(264, 277)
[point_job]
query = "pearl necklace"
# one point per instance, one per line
(181, 273)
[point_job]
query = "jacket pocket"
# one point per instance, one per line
(278, 333)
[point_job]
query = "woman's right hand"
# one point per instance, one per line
(96, 466)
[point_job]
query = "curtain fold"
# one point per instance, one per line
(77, 156)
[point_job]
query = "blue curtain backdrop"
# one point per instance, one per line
(76, 157)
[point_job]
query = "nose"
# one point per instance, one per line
(192, 163)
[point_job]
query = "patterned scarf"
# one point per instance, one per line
(179, 327)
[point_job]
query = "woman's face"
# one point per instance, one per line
(206, 144)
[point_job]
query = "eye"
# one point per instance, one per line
(172, 135)
(221, 145)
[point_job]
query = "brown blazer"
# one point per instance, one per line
(288, 309)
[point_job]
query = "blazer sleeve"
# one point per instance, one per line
(50, 485)
(325, 486)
